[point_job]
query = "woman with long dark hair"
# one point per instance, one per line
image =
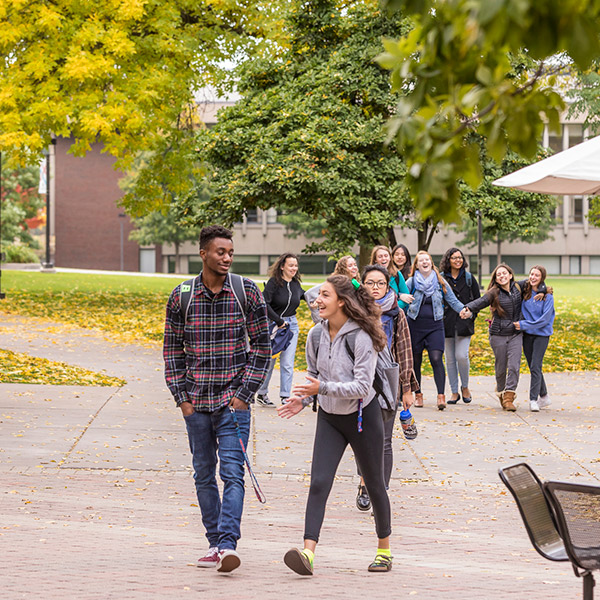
(347, 413)
(458, 332)
(537, 327)
(282, 294)
(426, 321)
(382, 255)
(503, 296)
(401, 260)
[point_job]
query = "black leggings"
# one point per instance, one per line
(333, 434)
(388, 450)
(437, 364)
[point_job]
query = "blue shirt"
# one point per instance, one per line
(538, 316)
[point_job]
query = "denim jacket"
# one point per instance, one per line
(437, 299)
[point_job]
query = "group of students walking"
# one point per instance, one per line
(217, 356)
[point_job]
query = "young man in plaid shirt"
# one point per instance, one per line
(210, 370)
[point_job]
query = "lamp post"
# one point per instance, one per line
(479, 246)
(48, 264)
(122, 223)
(2, 294)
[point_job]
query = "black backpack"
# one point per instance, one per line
(387, 373)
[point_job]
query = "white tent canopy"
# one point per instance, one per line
(574, 172)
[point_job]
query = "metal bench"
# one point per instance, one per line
(561, 519)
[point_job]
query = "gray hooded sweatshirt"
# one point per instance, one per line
(343, 382)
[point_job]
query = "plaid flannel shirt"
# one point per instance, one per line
(403, 355)
(205, 358)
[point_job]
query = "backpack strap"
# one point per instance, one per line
(239, 291)
(186, 291)
(377, 383)
(315, 334)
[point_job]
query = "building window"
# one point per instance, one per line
(551, 263)
(516, 263)
(576, 209)
(315, 264)
(194, 265)
(594, 265)
(246, 264)
(575, 265)
(271, 216)
(555, 141)
(170, 264)
(575, 134)
(252, 215)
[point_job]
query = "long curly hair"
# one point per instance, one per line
(360, 306)
(446, 267)
(341, 267)
(275, 270)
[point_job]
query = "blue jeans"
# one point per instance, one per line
(210, 433)
(286, 364)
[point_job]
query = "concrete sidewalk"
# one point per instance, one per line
(98, 500)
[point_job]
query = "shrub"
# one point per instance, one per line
(16, 253)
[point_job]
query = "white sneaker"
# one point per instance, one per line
(228, 561)
(544, 401)
(534, 406)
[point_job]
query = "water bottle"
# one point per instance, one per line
(409, 427)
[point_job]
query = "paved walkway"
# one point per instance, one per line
(97, 498)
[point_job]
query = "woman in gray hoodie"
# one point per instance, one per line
(343, 385)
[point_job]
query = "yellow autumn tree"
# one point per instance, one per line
(121, 72)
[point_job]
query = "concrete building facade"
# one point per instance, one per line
(91, 233)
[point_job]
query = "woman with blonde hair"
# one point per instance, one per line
(426, 321)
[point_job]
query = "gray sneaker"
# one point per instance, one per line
(263, 400)
(534, 406)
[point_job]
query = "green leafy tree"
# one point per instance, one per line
(164, 228)
(461, 69)
(122, 72)
(307, 135)
(21, 202)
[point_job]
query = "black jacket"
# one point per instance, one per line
(510, 303)
(282, 300)
(465, 293)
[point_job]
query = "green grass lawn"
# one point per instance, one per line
(131, 309)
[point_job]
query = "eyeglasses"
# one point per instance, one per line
(376, 284)
(456, 257)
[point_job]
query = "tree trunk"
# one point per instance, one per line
(364, 254)
(426, 233)
(392, 241)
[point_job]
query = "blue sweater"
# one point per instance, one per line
(538, 316)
